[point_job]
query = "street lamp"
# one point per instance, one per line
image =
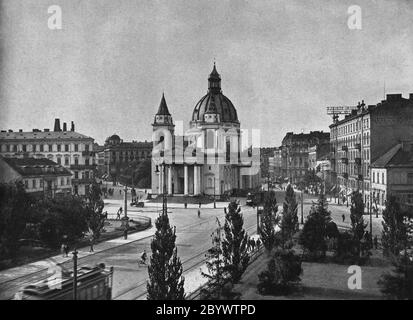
(164, 199)
(215, 205)
(75, 274)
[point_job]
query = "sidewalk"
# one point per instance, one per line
(10, 274)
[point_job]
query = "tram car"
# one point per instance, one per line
(93, 283)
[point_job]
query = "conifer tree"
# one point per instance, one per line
(314, 233)
(357, 221)
(165, 270)
(269, 221)
(394, 232)
(215, 264)
(289, 221)
(235, 243)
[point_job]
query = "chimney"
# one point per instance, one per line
(64, 126)
(72, 127)
(10, 130)
(57, 125)
(46, 130)
(20, 130)
(411, 96)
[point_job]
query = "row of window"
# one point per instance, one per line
(376, 177)
(351, 128)
(39, 183)
(44, 147)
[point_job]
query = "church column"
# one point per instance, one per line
(196, 182)
(169, 179)
(185, 180)
(160, 180)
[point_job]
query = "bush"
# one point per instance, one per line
(347, 251)
(283, 272)
(399, 284)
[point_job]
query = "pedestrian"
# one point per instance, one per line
(91, 242)
(62, 249)
(106, 215)
(199, 213)
(253, 244)
(125, 233)
(376, 242)
(344, 217)
(67, 250)
(258, 244)
(199, 204)
(186, 205)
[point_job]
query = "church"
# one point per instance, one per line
(213, 157)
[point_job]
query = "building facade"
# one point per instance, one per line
(392, 175)
(209, 158)
(362, 137)
(117, 155)
(41, 177)
(72, 150)
(295, 153)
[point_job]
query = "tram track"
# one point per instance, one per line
(16, 284)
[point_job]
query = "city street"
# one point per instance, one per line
(193, 240)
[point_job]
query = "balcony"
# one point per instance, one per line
(358, 161)
(360, 177)
(345, 175)
(82, 166)
(344, 148)
(344, 160)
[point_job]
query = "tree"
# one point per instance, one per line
(15, 208)
(165, 270)
(289, 221)
(395, 231)
(93, 207)
(314, 233)
(357, 221)
(234, 245)
(283, 271)
(269, 220)
(63, 217)
(215, 265)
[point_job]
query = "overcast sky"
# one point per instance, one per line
(281, 62)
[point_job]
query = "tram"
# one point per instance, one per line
(93, 283)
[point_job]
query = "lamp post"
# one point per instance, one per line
(164, 199)
(75, 274)
(215, 205)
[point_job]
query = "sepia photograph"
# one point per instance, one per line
(206, 157)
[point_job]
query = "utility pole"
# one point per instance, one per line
(215, 205)
(302, 207)
(75, 274)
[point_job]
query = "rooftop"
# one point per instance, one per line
(36, 167)
(40, 135)
(401, 155)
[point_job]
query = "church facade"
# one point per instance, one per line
(212, 157)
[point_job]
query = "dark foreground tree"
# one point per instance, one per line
(399, 284)
(165, 270)
(394, 232)
(94, 216)
(268, 221)
(289, 221)
(215, 265)
(235, 243)
(358, 225)
(15, 208)
(283, 271)
(314, 234)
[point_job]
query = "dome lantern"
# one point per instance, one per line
(214, 81)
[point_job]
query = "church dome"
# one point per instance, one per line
(215, 102)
